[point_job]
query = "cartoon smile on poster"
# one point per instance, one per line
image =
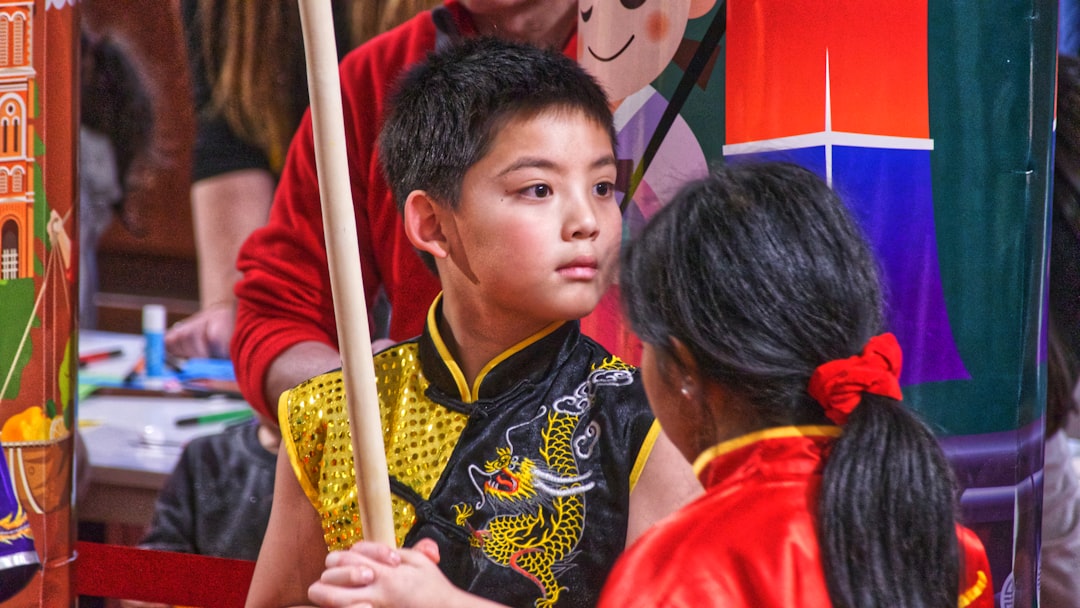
(626, 46)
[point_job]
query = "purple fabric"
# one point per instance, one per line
(889, 192)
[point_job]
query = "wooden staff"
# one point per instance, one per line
(346, 282)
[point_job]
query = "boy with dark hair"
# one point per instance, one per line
(520, 451)
(285, 327)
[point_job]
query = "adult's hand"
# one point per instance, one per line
(205, 334)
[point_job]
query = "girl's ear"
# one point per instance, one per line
(686, 367)
(423, 218)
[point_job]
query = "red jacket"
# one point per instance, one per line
(750, 540)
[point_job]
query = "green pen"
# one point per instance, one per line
(229, 416)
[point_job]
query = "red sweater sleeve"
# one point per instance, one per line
(284, 296)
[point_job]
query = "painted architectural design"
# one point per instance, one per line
(17, 76)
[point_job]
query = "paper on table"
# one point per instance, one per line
(110, 371)
(198, 377)
(140, 433)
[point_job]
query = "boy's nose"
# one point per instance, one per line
(581, 221)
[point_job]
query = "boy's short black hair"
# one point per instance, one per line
(446, 110)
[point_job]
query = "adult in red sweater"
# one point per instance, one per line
(285, 327)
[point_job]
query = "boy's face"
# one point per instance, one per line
(535, 237)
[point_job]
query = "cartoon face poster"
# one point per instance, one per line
(38, 132)
(933, 120)
(656, 67)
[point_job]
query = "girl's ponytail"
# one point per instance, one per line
(761, 271)
(887, 508)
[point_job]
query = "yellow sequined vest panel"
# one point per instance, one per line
(419, 437)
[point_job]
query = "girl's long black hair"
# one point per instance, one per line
(763, 274)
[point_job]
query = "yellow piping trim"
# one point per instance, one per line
(974, 591)
(444, 353)
(520, 346)
(469, 395)
(644, 453)
(771, 433)
(290, 449)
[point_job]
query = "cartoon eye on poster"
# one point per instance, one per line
(933, 120)
(38, 122)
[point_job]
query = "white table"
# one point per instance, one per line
(133, 441)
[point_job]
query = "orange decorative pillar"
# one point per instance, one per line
(38, 130)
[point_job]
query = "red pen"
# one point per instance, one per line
(88, 358)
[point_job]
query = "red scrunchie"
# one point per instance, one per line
(838, 385)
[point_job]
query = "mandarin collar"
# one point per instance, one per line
(529, 361)
(726, 460)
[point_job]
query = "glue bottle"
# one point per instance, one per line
(153, 324)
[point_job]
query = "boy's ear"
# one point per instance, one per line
(423, 219)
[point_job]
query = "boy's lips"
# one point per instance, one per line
(583, 267)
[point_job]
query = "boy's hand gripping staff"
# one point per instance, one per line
(346, 282)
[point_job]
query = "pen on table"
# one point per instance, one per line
(229, 416)
(89, 358)
(140, 365)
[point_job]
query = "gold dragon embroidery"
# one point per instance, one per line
(540, 503)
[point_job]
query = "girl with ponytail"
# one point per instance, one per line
(766, 362)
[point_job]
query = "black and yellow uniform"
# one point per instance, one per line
(523, 478)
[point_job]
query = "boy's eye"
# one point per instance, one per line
(604, 189)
